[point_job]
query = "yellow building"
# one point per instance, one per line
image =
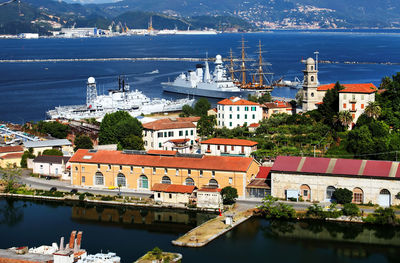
(141, 170)
(10, 156)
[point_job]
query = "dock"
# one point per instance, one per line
(212, 229)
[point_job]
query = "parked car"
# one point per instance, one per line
(74, 191)
(53, 189)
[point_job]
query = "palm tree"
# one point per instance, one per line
(345, 118)
(373, 109)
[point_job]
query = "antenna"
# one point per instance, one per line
(316, 60)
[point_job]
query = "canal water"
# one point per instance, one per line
(131, 232)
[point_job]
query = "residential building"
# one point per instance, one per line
(234, 112)
(54, 166)
(315, 179)
(209, 198)
(171, 134)
(141, 170)
(62, 145)
(11, 156)
(355, 97)
(276, 107)
(222, 146)
(253, 127)
(260, 186)
(173, 193)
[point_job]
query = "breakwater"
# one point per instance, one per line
(98, 59)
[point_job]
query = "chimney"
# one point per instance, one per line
(79, 239)
(75, 246)
(71, 239)
(62, 243)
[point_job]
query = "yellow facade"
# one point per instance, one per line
(83, 174)
(10, 163)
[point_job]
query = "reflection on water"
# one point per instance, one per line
(11, 213)
(350, 240)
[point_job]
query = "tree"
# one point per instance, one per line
(345, 118)
(343, 195)
(27, 155)
(201, 107)
(186, 111)
(373, 110)
(132, 142)
(9, 177)
(55, 129)
(229, 195)
(351, 209)
(383, 216)
(205, 126)
(53, 152)
(83, 142)
(330, 105)
(271, 209)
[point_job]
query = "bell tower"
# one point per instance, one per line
(310, 85)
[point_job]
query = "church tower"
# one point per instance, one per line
(310, 85)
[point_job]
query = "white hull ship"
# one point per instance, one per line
(133, 102)
(202, 83)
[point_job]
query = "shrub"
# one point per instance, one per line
(382, 216)
(229, 195)
(343, 195)
(351, 210)
(81, 197)
(107, 198)
(271, 209)
(315, 211)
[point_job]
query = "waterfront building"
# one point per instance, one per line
(276, 107)
(54, 166)
(260, 186)
(140, 170)
(315, 179)
(178, 134)
(175, 194)
(10, 156)
(233, 147)
(235, 111)
(38, 147)
(209, 198)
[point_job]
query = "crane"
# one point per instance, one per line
(12, 1)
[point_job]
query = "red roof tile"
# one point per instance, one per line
(171, 123)
(351, 88)
(173, 188)
(11, 156)
(209, 190)
(224, 141)
(347, 166)
(286, 163)
(162, 152)
(326, 87)
(315, 165)
(377, 168)
(254, 125)
(263, 172)
(278, 104)
(179, 141)
(9, 149)
(237, 101)
(218, 163)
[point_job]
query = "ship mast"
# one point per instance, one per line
(232, 65)
(260, 69)
(243, 65)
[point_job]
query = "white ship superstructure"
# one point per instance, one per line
(133, 102)
(202, 83)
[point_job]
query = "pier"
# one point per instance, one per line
(212, 229)
(100, 60)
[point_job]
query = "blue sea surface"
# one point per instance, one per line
(28, 90)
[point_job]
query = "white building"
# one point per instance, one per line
(29, 35)
(63, 145)
(177, 134)
(235, 112)
(173, 193)
(222, 146)
(355, 97)
(55, 166)
(209, 198)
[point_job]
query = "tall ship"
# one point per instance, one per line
(201, 83)
(133, 102)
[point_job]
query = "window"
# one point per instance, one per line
(245, 116)
(159, 195)
(230, 124)
(98, 166)
(230, 116)
(219, 123)
(142, 170)
(232, 147)
(189, 181)
(131, 169)
(159, 145)
(312, 67)
(217, 147)
(238, 108)
(312, 78)
(176, 172)
(121, 180)
(213, 173)
(109, 167)
(159, 135)
(170, 196)
(186, 132)
(201, 173)
(362, 97)
(143, 182)
(208, 148)
(230, 108)
(329, 192)
(83, 179)
(238, 116)
(189, 172)
(83, 169)
(246, 108)
(171, 134)
(191, 132)
(305, 192)
(120, 167)
(180, 133)
(165, 171)
(166, 180)
(76, 167)
(344, 105)
(98, 179)
(312, 94)
(226, 150)
(254, 116)
(353, 97)
(154, 170)
(358, 195)
(213, 183)
(230, 180)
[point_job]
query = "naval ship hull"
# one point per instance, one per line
(167, 87)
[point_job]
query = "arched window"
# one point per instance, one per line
(358, 195)
(121, 180)
(166, 180)
(213, 183)
(384, 192)
(189, 181)
(312, 78)
(329, 192)
(305, 192)
(98, 179)
(143, 182)
(312, 67)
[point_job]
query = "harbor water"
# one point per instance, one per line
(28, 90)
(132, 232)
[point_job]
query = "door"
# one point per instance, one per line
(384, 198)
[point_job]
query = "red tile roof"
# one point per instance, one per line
(171, 123)
(254, 125)
(278, 104)
(237, 101)
(224, 141)
(9, 149)
(179, 141)
(263, 172)
(162, 152)
(173, 188)
(11, 156)
(218, 163)
(331, 166)
(209, 190)
(351, 88)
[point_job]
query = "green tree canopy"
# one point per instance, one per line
(83, 142)
(229, 195)
(205, 126)
(53, 152)
(201, 107)
(330, 106)
(55, 129)
(343, 195)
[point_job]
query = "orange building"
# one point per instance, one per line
(141, 170)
